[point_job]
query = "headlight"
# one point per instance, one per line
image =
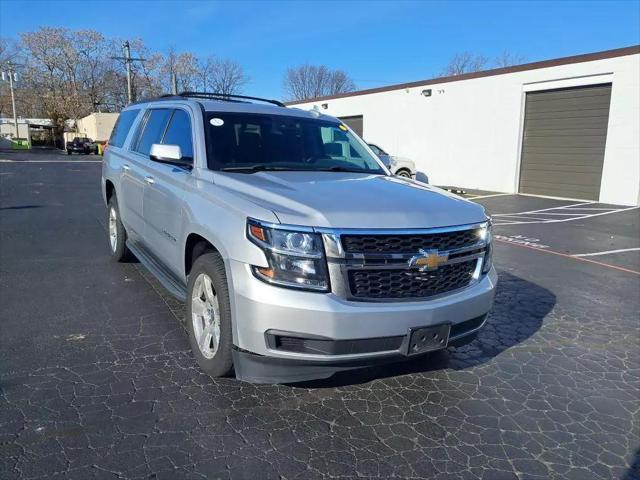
(486, 234)
(296, 259)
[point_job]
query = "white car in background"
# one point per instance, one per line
(402, 167)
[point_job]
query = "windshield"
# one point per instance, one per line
(245, 142)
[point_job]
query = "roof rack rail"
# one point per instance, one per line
(227, 97)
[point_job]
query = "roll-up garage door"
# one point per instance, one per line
(565, 132)
(354, 123)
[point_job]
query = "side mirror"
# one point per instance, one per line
(171, 154)
(165, 153)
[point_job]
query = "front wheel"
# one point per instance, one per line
(404, 174)
(209, 315)
(117, 233)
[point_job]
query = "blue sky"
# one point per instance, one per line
(377, 42)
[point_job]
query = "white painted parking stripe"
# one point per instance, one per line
(570, 213)
(591, 208)
(607, 252)
(489, 196)
(543, 209)
(529, 217)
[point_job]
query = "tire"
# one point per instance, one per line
(403, 173)
(216, 362)
(117, 244)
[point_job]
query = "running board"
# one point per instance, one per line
(166, 278)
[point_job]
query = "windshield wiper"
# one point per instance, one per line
(254, 168)
(343, 169)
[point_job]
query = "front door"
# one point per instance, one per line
(164, 196)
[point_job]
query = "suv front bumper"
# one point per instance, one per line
(376, 332)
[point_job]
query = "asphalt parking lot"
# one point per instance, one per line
(97, 379)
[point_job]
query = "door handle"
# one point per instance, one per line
(149, 180)
(125, 167)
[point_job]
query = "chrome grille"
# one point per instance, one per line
(410, 283)
(383, 265)
(390, 243)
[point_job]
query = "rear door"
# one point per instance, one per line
(129, 192)
(164, 195)
(137, 170)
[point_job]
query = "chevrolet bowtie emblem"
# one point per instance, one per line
(428, 260)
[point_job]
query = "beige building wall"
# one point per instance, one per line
(96, 126)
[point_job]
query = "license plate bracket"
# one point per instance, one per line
(428, 339)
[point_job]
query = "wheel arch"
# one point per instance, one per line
(403, 170)
(109, 190)
(196, 245)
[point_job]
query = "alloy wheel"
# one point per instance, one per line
(113, 229)
(205, 316)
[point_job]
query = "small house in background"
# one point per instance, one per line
(96, 126)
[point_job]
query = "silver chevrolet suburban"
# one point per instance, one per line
(296, 251)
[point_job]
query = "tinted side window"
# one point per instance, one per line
(179, 133)
(156, 122)
(122, 127)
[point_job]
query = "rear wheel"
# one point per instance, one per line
(209, 315)
(117, 233)
(403, 173)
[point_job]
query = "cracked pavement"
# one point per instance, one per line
(97, 379)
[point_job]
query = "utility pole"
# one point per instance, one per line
(128, 61)
(174, 83)
(13, 76)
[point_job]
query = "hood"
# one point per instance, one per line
(351, 200)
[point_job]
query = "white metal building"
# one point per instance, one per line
(568, 127)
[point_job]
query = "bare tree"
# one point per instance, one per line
(464, 62)
(69, 74)
(185, 66)
(209, 74)
(227, 77)
(467, 62)
(313, 81)
(507, 59)
(206, 67)
(9, 51)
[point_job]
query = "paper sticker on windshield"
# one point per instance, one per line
(216, 122)
(342, 127)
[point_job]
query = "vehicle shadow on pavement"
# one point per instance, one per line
(21, 207)
(519, 310)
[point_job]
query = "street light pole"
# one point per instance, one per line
(13, 101)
